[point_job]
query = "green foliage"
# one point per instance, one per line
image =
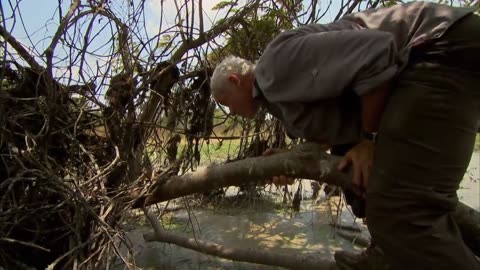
(249, 38)
(219, 151)
(390, 3)
(164, 41)
(224, 4)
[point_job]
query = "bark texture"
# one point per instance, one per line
(307, 161)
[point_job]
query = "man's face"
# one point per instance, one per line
(239, 100)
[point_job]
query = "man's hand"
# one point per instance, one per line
(361, 157)
(281, 179)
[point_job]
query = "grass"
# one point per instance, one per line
(217, 151)
(170, 223)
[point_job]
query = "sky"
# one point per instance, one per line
(40, 19)
(37, 20)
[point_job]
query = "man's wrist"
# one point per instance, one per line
(369, 136)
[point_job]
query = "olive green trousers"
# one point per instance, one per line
(424, 146)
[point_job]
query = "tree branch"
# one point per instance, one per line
(61, 28)
(290, 261)
(200, 16)
(20, 49)
(154, 100)
(307, 161)
(352, 7)
(212, 33)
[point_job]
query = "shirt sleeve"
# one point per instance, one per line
(307, 65)
(336, 121)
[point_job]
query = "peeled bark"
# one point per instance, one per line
(307, 161)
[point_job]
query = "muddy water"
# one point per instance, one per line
(282, 232)
(260, 226)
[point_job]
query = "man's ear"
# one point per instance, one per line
(234, 79)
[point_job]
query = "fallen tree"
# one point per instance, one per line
(308, 161)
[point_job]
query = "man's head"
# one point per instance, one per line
(232, 86)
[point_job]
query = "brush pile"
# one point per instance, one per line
(55, 209)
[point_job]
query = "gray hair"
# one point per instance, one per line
(230, 65)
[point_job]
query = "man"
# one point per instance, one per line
(410, 72)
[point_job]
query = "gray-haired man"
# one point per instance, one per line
(410, 72)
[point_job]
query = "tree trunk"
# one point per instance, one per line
(308, 161)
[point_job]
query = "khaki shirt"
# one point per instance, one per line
(305, 76)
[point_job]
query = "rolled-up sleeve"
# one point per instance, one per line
(306, 65)
(314, 75)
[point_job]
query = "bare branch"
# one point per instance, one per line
(209, 35)
(200, 15)
(60, 30)
(290, 261)
(20, 49)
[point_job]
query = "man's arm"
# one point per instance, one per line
(372, 106)
(361, 155)
(317, 66)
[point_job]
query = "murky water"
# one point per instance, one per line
(306, 232)
(262, 227)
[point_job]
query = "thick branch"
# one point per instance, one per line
(60, 30)
(200, 16)
(20, 49)
(254, 255)
(306, 161)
